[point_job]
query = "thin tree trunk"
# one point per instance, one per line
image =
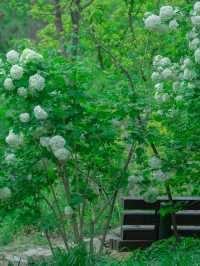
(49, 241)
(75, 13)
(114, 197)
(66, 185)
(59, 25)
(61, 228)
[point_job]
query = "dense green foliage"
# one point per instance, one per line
(84, 120)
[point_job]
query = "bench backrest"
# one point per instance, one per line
(141, 220)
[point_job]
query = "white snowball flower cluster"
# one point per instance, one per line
(29, 55)
(173, 24)
(45, 142)
(10, 158)
(195, 21)
(16, 72)
(171, 79)
(155, 162)
(134, 180)
(164, 72)
(160, 175)
(194, 43)
(68, 211)
(5, 193)
(166, 13)
(40, 113)
(12, 57)
(61, 154)
(153, 23)
(151, 195)
(196, 8)
(24, 117)
(36, 82)
(14, 140)
(197, 56)
(22, 92)
(167, 74)
(8, 84)
(56, 145)
(165, 20)
(57, 142)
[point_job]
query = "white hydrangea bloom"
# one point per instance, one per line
(167, 74)
(40, 113)
(57, 142)
(61, 154)
(10, 158)
(135, 179)
(155, 76)
(197, 56)
(188, 74)
(159, 113)
(45, 142)
(195, 20)
(176, 85)
(16, 72)
(8, 84)
(153, 23)
(13, 139)
(5, 193)
(116, 122)
(68, 211)
(36, 82)
(165, 61)
(155, 162)
(191, 85)
(179, 98)
(194, 44)
(147, 14)
(151, 195)
(192, 34)
(166, 13)
(159, 175)
(156, 60)
(24, 117)
(173, 24)
(197, 7)
(159, 87)
(29, 55)
(158, 97)
(187, 62)
(165, 97)
(12, 57)
(22, 92)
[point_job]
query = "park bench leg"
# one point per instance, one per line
(165, 227)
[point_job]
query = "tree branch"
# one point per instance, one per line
(87, 4)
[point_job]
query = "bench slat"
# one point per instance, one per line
(127, 245)
(138, 233)
(138, 204)
(189, 231)
(188, 203)
(188, 218)
(142, 218)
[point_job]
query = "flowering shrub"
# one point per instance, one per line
(175, 107)
(166, 20)
(53, 136)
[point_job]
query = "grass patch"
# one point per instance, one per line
(161, 253)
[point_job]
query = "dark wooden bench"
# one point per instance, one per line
(142, 223)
